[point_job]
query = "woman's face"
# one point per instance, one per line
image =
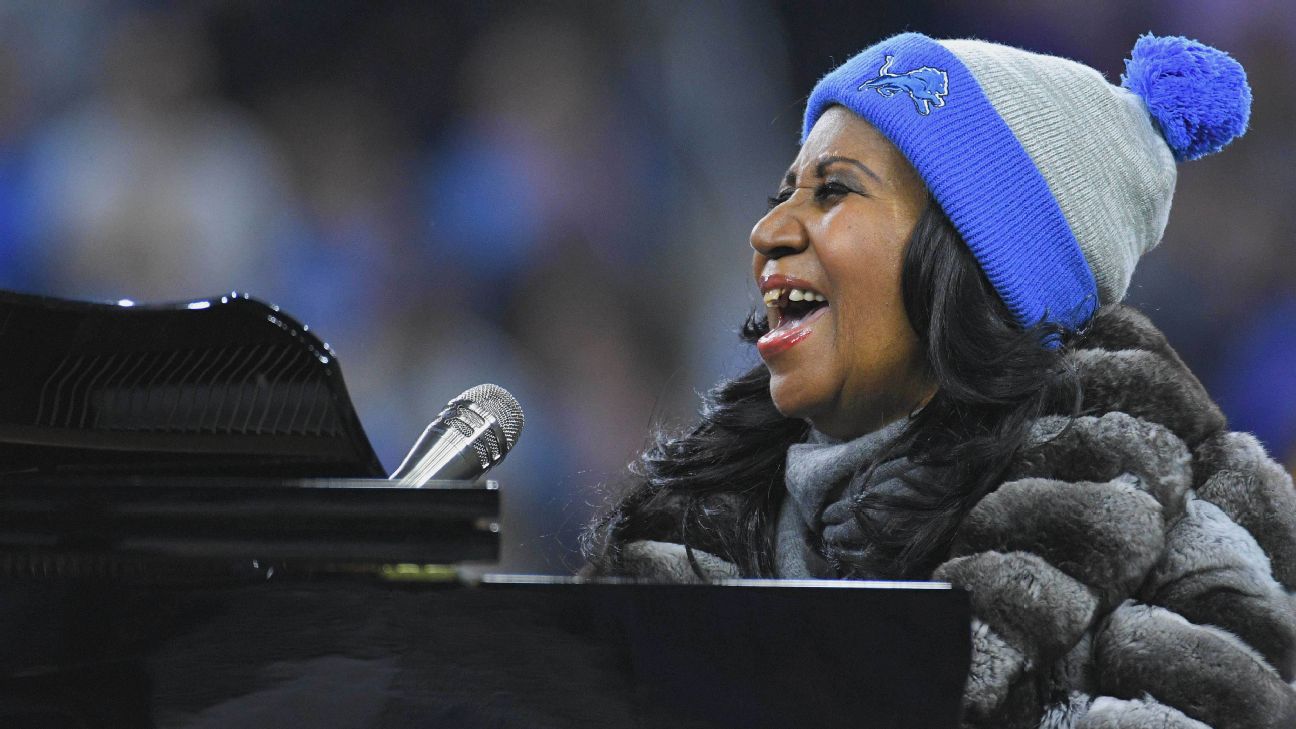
(828, 258)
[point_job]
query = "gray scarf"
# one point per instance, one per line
(825, 478)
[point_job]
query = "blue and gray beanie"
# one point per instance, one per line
(1057, 180)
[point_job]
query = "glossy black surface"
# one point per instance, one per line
(364, 653)
(219, 386)
(160, 528)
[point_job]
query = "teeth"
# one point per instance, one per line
(773, 296)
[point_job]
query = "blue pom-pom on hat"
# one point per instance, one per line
(1197, 94)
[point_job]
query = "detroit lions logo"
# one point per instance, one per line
(927, 86)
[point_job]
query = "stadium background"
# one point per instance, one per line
(552, 196)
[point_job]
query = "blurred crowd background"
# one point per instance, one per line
(555, 197)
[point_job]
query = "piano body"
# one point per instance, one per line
(195, 532)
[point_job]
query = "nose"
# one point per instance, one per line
(780, 233)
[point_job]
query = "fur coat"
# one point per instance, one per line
(1137, 571)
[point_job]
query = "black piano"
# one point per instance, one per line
(195, 532)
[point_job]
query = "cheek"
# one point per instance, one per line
(869, 300)
(874, 341)
(874, 337)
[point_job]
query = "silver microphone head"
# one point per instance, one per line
(473, 433)
(502, 405)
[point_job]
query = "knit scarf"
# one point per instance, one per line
(825, 479)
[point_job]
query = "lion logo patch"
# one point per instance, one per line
(926, 86)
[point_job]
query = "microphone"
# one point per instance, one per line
(473, 433)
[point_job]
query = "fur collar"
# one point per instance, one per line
(1140, 551)
(1126, 365)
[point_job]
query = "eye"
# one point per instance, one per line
(781, 197)
(831, 189)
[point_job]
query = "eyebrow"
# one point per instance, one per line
(823, 164)
(790, 178)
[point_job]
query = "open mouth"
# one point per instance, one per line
(791, 310)
(787, 306)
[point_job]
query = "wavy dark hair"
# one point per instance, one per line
(718, 486)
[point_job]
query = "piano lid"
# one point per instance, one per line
(221, 386)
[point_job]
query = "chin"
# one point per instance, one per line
(792, 401)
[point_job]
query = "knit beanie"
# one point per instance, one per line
(1057, 180)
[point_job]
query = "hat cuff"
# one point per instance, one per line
(931, 107)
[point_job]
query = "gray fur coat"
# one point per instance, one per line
(1138, 571)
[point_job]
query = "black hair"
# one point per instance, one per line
(718, 486)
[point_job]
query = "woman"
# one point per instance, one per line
(951, 390)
